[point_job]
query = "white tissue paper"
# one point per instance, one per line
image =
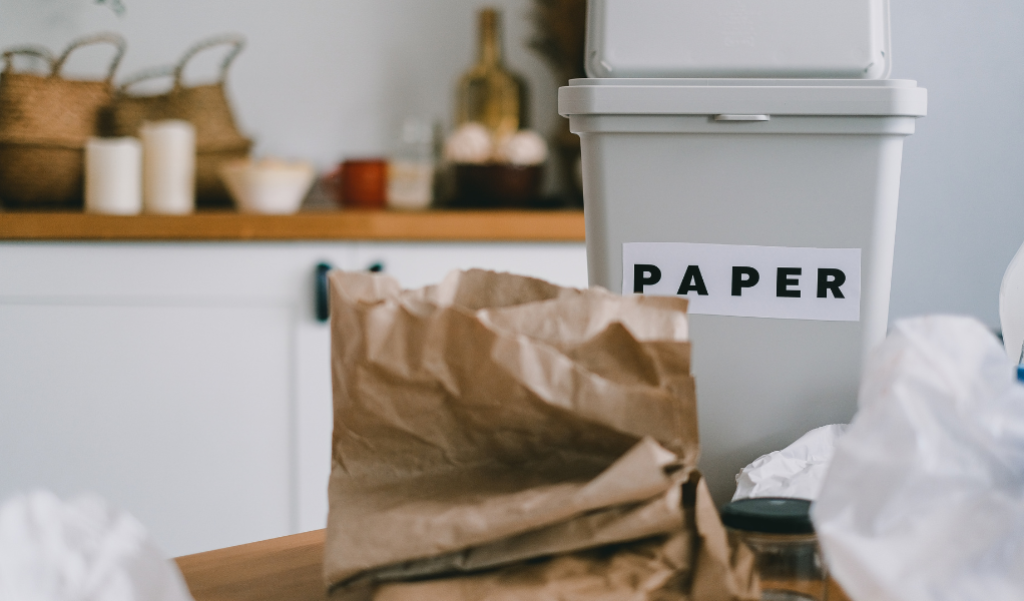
(795, 472)
(81, 550)
(925, 497)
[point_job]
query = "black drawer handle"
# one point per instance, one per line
(321, 297)
(322, 291)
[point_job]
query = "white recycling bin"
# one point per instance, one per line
(771, 205)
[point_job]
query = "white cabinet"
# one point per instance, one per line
(189, 383)
(175, 412)
(417, 265)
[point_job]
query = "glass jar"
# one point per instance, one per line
(411, 168)
(779, 532)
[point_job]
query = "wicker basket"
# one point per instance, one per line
(45, 121)
(205, 106)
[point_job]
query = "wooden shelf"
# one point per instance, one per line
(457, 226)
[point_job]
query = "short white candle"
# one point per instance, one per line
(113, 176)
(169, 167)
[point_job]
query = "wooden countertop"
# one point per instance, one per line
(281, 569)
(448, 226)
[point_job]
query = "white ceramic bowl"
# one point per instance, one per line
(267, 186)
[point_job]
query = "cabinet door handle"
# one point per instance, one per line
(321, 296)
(322, 293)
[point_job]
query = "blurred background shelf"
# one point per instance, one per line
(454, 226)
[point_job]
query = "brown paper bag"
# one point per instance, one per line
(695, 563)
(494, 419)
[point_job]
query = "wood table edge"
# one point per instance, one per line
(287, 568)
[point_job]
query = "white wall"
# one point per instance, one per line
(324, 79)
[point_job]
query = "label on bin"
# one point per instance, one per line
(819, 284)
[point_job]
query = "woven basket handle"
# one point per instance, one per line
(154, 73)
(237, 41)
(36, 51)
(100, 38)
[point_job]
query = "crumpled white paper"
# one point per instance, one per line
(1011, 306)
(925, 497)
(81, 550)
(795, 472)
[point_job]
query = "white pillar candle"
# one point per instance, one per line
(113, 176)
(169, 167)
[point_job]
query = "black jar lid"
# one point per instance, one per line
(769, 515)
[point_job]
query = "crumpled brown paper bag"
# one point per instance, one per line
(494, 419)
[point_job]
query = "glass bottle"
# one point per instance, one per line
(488, 93)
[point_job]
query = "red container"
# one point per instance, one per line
(363, 184)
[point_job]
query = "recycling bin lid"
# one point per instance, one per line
(743, 97)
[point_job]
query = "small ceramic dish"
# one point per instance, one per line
(268, 186)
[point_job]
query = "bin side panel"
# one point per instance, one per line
(762, 383)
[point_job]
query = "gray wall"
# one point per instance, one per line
(324, 79)
(961, 215)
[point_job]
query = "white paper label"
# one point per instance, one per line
(820, 284)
